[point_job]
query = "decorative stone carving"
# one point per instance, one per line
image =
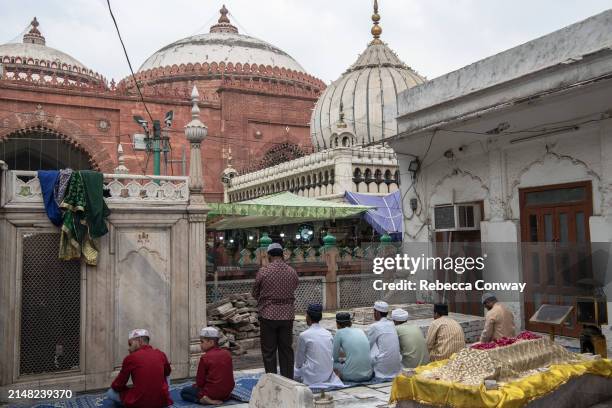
(123, 188)
(275, 391)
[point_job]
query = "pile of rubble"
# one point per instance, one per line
(236, 318)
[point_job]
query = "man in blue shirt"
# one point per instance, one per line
(351, 351)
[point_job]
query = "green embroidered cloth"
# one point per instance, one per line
(84, 216)
(95, 206)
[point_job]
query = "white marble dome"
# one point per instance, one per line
(367, 93)
(34, 55)
(223, 44)
(38, 52)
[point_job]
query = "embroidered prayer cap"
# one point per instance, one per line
(343, 317)
(273, 246)
(209, 333)
(138, 333)
(314, 308)
(381, 306)
(399, 315)
(488, 296)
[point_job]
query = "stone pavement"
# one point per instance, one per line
(370, 396)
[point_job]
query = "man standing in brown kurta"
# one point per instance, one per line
(274, 290)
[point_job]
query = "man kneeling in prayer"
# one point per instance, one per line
(412, 343)
(149, 369)
(313, 359)
(215, 377)
(384, 344)
(351, 351)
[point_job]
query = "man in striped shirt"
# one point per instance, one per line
(445, 336)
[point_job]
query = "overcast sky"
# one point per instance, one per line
(432, 36)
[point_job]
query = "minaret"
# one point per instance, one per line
(197, 210)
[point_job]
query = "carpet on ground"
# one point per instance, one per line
(241, 393)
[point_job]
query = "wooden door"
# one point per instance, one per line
(462, 244)
(555, 250)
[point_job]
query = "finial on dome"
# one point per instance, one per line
(223, 24)
(223, 18)
(34, 36)
(376, 29)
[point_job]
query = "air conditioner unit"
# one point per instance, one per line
(457, 217)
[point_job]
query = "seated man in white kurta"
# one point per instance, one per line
(314, 364)
(384, 344)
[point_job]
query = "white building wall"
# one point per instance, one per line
(493, 172)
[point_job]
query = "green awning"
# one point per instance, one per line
(280, 208)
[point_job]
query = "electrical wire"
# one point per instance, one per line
(128, 60)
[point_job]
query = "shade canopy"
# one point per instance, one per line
(386, 216)
(278, 209)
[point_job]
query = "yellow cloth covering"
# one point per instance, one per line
(509, 395)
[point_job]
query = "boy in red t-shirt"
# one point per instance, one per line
(215, 377)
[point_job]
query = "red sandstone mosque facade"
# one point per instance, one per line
(255, 99)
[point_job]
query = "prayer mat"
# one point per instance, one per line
(317, 388)
(241, 394)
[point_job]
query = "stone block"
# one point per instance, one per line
(275, 391)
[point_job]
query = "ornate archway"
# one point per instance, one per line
(63, 143)
(280, 153)
(43, 149)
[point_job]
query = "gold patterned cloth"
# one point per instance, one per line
(514, 393)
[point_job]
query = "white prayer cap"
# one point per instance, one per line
(274, 245)
(399, 315)
(209, 333)
(381, 306)
(138, 333)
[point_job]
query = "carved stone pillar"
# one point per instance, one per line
(496, 186)
(195, 132)
(343, 170)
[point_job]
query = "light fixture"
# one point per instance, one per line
(250, 237)
(143, 123)
(282, 235)
(168, 118)
(414, 167)
(220, 238)
(231, 241)
(414, 203)
(297, 236)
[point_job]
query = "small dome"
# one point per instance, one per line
(34, 55)
(222, 44)
(365, 97)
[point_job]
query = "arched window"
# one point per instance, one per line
(41, 149)
(388, 178)
(378, 176)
